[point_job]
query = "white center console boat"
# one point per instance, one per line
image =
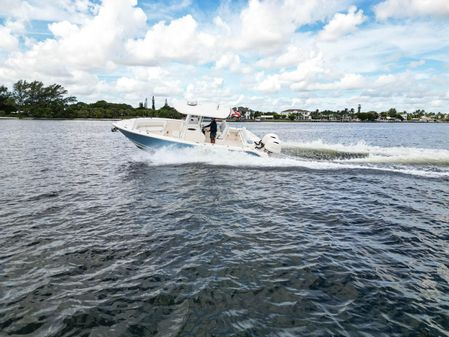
(153, 133)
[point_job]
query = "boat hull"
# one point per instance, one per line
(150, 143)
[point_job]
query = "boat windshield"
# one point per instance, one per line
(193, 120)
(206, 120)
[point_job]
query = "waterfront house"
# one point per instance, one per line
(300, 113)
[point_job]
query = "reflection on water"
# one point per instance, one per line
(98, 238)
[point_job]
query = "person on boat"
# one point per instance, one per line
(213, 130)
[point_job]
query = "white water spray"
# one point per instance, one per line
(413, 161)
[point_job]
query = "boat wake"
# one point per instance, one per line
(318, 150)
(363, 153)
(316, 155)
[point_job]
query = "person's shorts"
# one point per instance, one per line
(213, 135)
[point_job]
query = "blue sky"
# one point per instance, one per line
(269, 55)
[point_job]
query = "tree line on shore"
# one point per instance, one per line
(35, 100)
(345, 115)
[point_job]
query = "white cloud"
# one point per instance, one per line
(342, 24)
(219, 23)
(379, 48)
(81, 83)
(228, 61)
(126, 85)
(306, 73)
(416, 64)
(270, 85)
(300, 78)
(164, 10)
(143, 81)
(178, 40)
(78, 51)
(385, 80)
(97, 44)
(15, 26)
(292, 56)
(9, 33)
(49, 10)
(411, 8)
(269, 24)
(208, 89)
(149, 73)
(295, 53)
(306, 70)
(436, 103)
(8, 42)
(262, 25)
(347, 82)
(405, 84)
(63, 29)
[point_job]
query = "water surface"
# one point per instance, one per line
(346, 235)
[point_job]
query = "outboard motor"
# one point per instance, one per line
(270, 142)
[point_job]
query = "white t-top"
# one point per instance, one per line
(203, 109)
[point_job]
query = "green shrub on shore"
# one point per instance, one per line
(7, 103)
(370, 116)
(35, 100)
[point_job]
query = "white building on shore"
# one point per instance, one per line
(301, 113)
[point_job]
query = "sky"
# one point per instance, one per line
(268, 55)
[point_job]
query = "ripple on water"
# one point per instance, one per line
(95, 242)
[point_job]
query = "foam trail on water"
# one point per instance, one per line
(407, 156)
(217, 157)
(363, 153)
(360, 146)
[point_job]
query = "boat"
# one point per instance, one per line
(154, 133)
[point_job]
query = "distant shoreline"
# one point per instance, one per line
(327, 121)
(61, 119)
(236, 121)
